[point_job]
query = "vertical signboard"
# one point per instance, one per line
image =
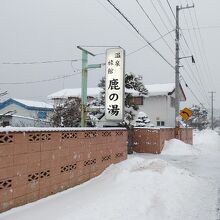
(114, 87)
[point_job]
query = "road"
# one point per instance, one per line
(206, 166)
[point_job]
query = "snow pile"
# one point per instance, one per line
(177, 147)
(207, 141)
(134, 189)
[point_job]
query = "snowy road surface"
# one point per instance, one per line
(181, 184)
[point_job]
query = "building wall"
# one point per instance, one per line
(23, 111)
(158, 108)
(36, 164)
(17, 121)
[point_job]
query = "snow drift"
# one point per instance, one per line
(177, 147)
(134, 189)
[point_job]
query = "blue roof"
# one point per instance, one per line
(30, 105)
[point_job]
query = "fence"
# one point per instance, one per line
(147, 140)
(35, 164)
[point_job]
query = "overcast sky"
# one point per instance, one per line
(44, 30)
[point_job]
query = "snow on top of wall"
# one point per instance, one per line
(51, 129)
(36, 104)
(68, 93)
(154, 90)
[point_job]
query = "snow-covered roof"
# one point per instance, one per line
(160, 89)
(70, 93)
(26, 104)
(34, 103)
(153, 90)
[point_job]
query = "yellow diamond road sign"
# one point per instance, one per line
(186, 113)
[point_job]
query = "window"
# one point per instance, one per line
(160, 123)
(42, 115)
(136, 100)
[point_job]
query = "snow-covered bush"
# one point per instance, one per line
(199, 119)
(142, 120)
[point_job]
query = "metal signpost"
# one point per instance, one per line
(186, 113)
(114, 86)
(85, 67)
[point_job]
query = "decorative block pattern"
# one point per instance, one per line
(118, 155)
(106, 158)
(38, 175)
(69, 135)
(6, 138)
(90, 134)
(40, 164)
(68, 168)
(119, 133)
(5, 184)
(89, 162)
(106, 134)
(39, 137)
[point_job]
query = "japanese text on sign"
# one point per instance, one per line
(114, 88)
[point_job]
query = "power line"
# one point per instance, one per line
(155, 27)
(171, 9)
(200, 52)
(39, 62)
(203, 48)
(180, 47)
(164, 11)
(138, 49)
(116, 19)
(192, 72)
(161, 19)
(141, 35)
(194, 95)
(41, 81)
(202, 27)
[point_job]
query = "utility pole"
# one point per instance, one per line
(84, 80)
(212, 109)
(177, 64)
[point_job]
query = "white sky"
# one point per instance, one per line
(40, 30)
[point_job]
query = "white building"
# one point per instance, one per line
(158, 104)
(25, 113)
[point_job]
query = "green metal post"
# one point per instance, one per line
(85, 68)
(84, 87)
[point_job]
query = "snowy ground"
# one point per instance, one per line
(181, 184)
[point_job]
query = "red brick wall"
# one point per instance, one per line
(152, 140)
(34, 165)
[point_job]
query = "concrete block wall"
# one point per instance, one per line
(149, 140)
(36, 164)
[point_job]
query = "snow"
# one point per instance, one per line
(164, 187)
(66, 93)
(51, 129)
(160, 89)
(153, 90)
(36, 104)
(177, 147)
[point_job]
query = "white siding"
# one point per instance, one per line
(158, 108)
(21, 111)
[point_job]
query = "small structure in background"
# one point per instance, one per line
(25, 113)
(60, 97)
